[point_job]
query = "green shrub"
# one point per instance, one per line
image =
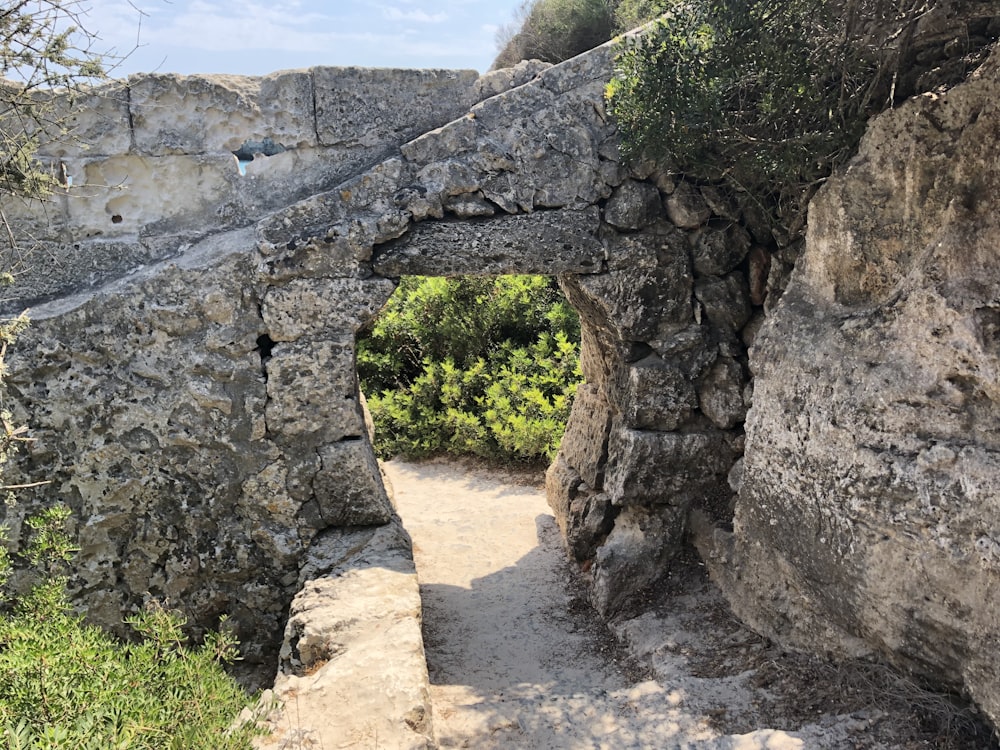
(632, 13)
(765, 97)
(472, 366)
(65, 684)
(556, 30)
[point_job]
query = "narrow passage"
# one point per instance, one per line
(519, 661)
(516, 658)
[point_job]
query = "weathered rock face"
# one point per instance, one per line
(201, 414)
(191, 384)
(152, 162)
(352, 667)
(868, 518)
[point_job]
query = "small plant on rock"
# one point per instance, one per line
(66, 684)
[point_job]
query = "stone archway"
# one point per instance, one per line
(202, 414)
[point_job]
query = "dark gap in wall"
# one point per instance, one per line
(264, 346)
(251, 149)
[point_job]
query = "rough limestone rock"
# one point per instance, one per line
(352, 669)
(193, 390)
(190, 382)
(547, 242)
(868, 518)
(152, 160)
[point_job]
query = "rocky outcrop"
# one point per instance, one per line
(867, 520)
(190, 379)
(352, 670)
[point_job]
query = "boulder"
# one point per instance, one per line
(867, 521)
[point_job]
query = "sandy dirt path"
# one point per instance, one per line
(516, 658)
(510, 664)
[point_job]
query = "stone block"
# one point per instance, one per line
(653, 395)
(318, 307)
(585, 516)
(92, 122)
(63, 268)
(720, 394)
(580, 70)
(348, 487)
(692, 349)
(647, 285)
(448, 141)
(502, 110)
(666, 468)
(686, 206)
(562, 483)
(633, 205)
(545, 242)
(759, 263)
(495, 82)
(173, 114)
(719, 248)
(129, 195)
(312, 392)
(376, 107)
(584, 444)
(635, 555)
(352, 663)
(725, 301)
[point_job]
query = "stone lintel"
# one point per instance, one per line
(546, 242)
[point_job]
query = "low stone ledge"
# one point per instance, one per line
(352, 671)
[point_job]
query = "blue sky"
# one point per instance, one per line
(258, 37)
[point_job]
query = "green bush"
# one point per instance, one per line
(472, 366)
(68, 685)
(764, 97)
(556, 30)
(629, 14)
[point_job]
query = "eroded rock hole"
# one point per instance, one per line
(264, 347)
(254, 148)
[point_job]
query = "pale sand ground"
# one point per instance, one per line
(516, 660)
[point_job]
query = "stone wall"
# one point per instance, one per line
(201, 413)
(149, 166)
(189, 375)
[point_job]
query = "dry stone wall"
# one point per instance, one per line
(150, 165)
(190, 376)
(201, 413)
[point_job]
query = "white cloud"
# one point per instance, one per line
(417, 16)
(262, 35)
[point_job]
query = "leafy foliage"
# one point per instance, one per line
(555, 30)
(766, 97)
(471, 365)
(65, 684)
(629, 14)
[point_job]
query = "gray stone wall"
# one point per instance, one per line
(201, 413)
(190, 380)
(151, 168)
